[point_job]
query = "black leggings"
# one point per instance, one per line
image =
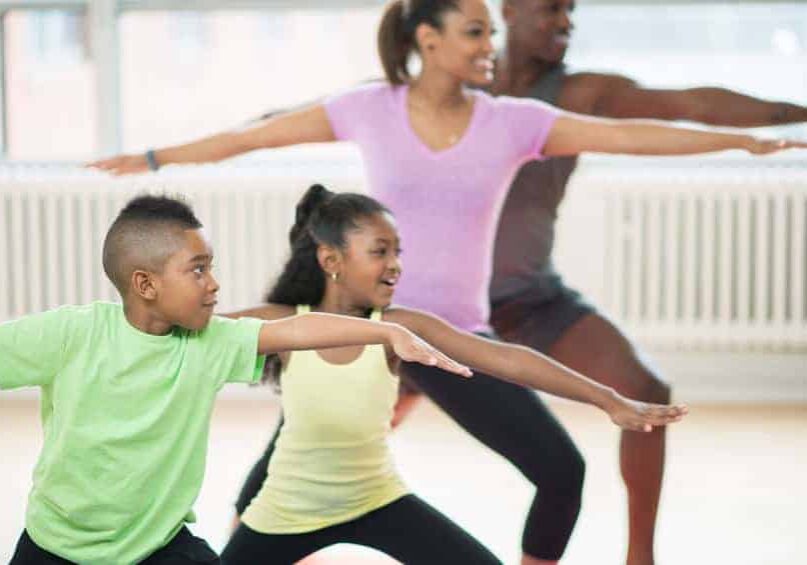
(183, 549)
(408, 529)
(513, 422)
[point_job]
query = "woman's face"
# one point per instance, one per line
(463, 46)
(541, 28)
(370, 264)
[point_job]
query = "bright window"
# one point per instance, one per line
(759, 49)
(199, 72)
(49, 88)
(175, 75)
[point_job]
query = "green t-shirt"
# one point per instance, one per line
(126, 417)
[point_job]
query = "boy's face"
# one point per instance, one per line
(186, 288)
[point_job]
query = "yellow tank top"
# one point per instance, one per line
(331, 462)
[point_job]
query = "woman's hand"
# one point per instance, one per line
(642, 416)
(122, 164)
(410, 347)
(759, 146)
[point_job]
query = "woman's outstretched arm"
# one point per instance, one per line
(308, 125)
(572, 134)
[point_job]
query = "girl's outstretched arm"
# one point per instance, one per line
(524, 366)
(308, 125)
(321, 331)
(574, 133)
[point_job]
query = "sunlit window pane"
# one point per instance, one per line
(760, 49)
(191, 73)
(50, 92)
(186, 74)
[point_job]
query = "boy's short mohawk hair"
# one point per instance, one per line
(144, 235)
(150, 208)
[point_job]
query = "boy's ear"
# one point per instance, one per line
(330, 259)
(143, 285)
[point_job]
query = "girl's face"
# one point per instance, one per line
(463, 46)
(370, 264)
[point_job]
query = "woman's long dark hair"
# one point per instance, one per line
(396, 34)
(322, 217)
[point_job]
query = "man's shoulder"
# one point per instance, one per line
(594, 79)
(582, 91)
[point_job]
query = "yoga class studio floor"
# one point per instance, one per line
(734, 490)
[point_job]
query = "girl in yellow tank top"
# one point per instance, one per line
(340, 412)
(331, 478)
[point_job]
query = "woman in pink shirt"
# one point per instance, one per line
(441, 157)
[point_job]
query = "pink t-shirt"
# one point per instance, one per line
(446, 203)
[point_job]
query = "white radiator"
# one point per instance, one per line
(53, 220)
(698, 255)
(707, 255)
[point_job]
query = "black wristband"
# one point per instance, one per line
(151, 159)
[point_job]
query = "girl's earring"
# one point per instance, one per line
(334, 276)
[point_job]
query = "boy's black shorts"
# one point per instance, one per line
(183, 549)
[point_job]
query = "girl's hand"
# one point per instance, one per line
(642, 416)
(122, 164)
(759, 146)
(410, 347)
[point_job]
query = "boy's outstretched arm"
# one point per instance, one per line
(321, 331)
(33, 349)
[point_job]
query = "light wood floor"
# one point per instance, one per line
(734, 493)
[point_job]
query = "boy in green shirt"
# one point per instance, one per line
(128, 390)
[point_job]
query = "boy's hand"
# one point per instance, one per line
(122, 164)
(410, 347)
(642, 416)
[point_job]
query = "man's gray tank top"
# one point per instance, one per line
(522, 258)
